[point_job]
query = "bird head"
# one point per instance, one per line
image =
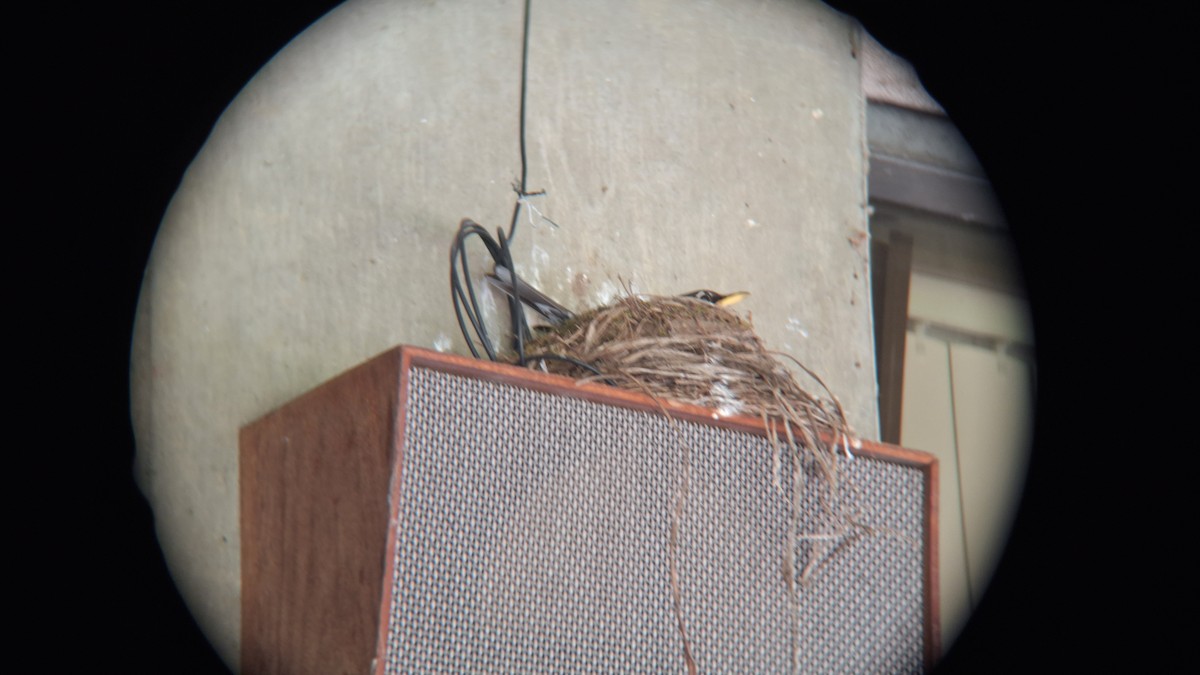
(715, 298)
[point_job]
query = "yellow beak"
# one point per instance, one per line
(732, 299)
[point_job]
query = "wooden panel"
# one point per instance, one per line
(970, 309)
(891, 317)
(992, 407)
(314, 484)
(934, 189)
(929, 425)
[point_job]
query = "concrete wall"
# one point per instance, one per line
(683, 145)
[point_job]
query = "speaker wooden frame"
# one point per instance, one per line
(319, 488)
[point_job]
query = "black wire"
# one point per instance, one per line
(462, 291)
(465, 301)
(520, 329)
(512, 226)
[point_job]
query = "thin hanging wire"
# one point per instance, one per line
(462, 291)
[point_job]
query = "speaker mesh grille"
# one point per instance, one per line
(533, 536)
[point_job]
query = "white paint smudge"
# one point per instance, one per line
(487, 304)
(606, 293)
(794, 325)
(441, 343)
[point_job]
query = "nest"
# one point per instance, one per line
(686, 350)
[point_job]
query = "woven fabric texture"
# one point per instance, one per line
(533, 535)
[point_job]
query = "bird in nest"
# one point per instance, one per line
(690, 348)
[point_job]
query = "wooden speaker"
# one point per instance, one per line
(427, 512)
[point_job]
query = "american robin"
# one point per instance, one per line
(556, 314)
